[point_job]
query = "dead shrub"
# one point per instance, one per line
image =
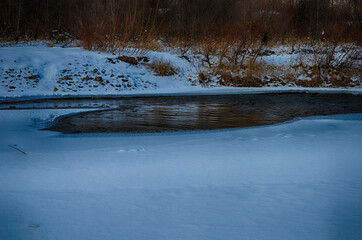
(339, 80)
(204, 78)
(252, 74)
(232, 62)
(162, 67)
(225, 78)
(316, 77)
(253, 68)
(327, 64)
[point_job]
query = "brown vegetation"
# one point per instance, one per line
(229, 35)
(162, 68)
(110, 23)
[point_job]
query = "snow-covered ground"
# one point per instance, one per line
(298, 180)
(37, 70)
(40, 70)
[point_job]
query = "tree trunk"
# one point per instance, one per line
(18, 24)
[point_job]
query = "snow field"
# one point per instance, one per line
(298, 180)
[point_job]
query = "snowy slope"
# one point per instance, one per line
(41, 70)
(38, 71)
(299, 180)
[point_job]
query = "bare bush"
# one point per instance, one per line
(328, 64)
(109, 23)
(162, 67)
(233, 63)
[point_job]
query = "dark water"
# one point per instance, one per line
(159, 114)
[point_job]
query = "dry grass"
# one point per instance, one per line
(204, 78)
(162, 67)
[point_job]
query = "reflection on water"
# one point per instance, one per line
(158, 114)
(175, 113)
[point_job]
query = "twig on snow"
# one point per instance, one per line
(17, 149)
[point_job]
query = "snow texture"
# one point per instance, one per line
(298, 180)
(41, 71)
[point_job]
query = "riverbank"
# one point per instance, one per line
(36, 70)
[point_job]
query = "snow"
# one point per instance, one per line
(54, 71)
(37, 70)
(297, 180)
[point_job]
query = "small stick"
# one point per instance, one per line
(17, 149)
